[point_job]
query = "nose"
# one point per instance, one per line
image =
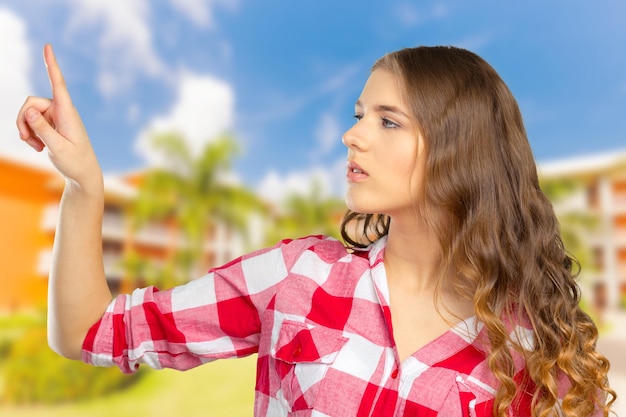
(351, 137)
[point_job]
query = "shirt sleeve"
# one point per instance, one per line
(216, 316)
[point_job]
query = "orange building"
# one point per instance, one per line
(29, 204)
(25, 192)
(602, 195)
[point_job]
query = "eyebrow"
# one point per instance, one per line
(385, 108)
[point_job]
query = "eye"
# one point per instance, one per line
(388, 124)
(358, 117)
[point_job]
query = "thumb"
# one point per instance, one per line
(41, 128)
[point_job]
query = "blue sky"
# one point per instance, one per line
(283, 75)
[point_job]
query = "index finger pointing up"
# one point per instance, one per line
(57, 82)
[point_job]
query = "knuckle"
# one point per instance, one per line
(31, 99)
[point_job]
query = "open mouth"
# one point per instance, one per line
(355, 172)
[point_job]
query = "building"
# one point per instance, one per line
(601, 193)
(25, 192)
(29, 205)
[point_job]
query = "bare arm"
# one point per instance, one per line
(77, 290)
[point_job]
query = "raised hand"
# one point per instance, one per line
(55, 124)
(77, 290)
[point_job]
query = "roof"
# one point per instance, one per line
(602, 163)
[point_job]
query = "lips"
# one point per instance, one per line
(355, 172)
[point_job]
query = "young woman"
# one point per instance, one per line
(453, 297)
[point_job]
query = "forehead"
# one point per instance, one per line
(382, 87)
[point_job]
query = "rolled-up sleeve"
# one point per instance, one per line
(216, 316)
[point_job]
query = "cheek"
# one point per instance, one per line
(404, 166)
(415, 179)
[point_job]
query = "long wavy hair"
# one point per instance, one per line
(498, 231)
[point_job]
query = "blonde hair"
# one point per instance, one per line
(498, 232)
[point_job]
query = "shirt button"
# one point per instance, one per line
(297, 351)
(394, 373)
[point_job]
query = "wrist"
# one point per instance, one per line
(87, 192)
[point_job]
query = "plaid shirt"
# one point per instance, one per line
(318, 316)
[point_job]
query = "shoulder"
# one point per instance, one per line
(325, 248)
(286, 253)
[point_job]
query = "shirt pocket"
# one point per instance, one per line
(477, 399)
(303, 353)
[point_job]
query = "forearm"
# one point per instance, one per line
(78, 293)
(77, 290)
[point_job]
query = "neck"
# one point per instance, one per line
(412, 257)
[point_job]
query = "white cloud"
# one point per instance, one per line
(275, 188)
(133, 113)
(203, 110)
(200, 11)
(409, 15)
(15, 85)
(195, 10)
(284, 106)
(125, 45)
(475, 42)
(328, 133)
(439, 10)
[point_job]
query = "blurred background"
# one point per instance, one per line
(218, 126)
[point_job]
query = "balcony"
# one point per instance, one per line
(113, 269)
(113, 226)
(155, 235)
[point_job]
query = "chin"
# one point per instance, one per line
(360, 202)
(351, 204)
(359, 208)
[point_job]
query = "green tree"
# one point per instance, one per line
(309, 214)
(575, 225)
(193, 194)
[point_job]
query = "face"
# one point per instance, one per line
(385, 153)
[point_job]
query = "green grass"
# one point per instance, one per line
(221, 388)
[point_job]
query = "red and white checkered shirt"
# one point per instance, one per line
(318, 316)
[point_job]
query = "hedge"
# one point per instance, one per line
(34, 374)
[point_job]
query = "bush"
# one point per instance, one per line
(5, 345)
(33, 373)
(13, 327)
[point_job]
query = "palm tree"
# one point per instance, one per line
(310, 214)
(193, 195)
(576, 225)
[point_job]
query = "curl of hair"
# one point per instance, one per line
(498, 231)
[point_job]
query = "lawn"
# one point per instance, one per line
(222, 388)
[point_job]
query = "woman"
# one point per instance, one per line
(455, 296)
